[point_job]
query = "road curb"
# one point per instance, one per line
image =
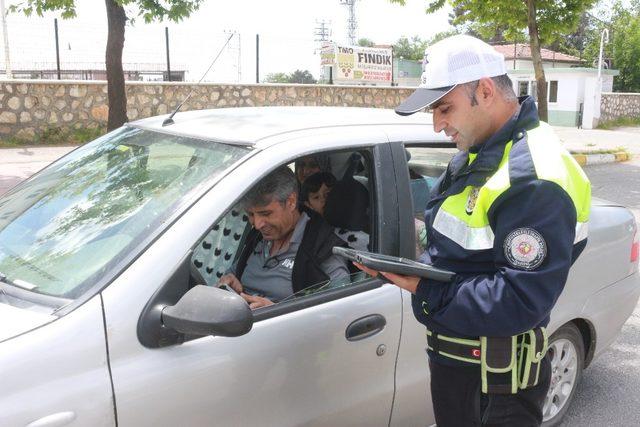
(585, 159)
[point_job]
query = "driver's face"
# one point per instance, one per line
(274, 220)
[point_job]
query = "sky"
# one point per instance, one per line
(286, 29)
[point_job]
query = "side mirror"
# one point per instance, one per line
(206, 310)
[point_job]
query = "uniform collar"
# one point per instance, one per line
(491, 151)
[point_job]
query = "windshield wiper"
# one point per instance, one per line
(17, 283)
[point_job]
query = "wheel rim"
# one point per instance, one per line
(564, 369)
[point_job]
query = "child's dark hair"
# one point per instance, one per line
(314, 182)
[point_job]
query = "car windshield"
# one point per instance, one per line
(67, 226)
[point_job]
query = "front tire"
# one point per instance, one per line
(566, 350)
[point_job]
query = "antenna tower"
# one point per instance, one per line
(352, 22)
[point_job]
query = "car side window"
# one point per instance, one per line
(349, 216)
(426, 164)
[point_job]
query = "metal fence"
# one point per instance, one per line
(76, 50)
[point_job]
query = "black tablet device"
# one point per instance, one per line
(392, 264)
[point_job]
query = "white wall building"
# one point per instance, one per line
(572, 90)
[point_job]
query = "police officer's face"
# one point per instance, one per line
(276, 220)
(463, 115)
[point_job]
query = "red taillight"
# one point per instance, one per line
(635, 247)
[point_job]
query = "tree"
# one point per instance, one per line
(545, 21)
(414, 49)
(624, 46)
(276, 78)
(364, 42)
(149, 10)
(410, 49)
(298, 76)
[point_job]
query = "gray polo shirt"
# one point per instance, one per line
(270, 276)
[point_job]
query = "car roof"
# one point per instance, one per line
(248, 125)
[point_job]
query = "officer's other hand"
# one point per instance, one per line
(256, 301)
(231, 281)
(409, 283)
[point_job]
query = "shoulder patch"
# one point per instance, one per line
(525, 248)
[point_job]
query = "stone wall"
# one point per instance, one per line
(617, 105)
(32, 109)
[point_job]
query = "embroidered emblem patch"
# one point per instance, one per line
(525, 248)
(471, 200)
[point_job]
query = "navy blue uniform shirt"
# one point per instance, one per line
(490, 297)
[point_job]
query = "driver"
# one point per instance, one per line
(287, 250)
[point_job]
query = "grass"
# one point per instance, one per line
(55, 136)
(615, 150)
(619, 122)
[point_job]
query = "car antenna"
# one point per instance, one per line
(169, 120)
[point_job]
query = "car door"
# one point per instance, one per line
(301, 364)
(412, 404)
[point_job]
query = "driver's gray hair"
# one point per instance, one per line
(278, 185)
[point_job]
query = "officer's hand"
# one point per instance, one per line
(255, 301)
(231, 281)
(409, 283)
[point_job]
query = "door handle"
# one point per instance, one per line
(365, 327)
(54, 420)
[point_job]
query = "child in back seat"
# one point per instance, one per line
(344, 204)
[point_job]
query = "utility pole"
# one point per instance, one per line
(352, 22)
(55, 27)
(5, 33)
(322, 32)
(257, 58)
(166, 38)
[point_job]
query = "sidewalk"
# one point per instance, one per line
(587, 144)
(17, 164)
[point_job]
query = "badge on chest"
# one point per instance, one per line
(471, 200)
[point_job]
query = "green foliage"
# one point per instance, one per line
(620, 122)
(276, 78)
(487, 17)
(410, 49)
(622, 19)
(625, 47)
(298, 76)
(365, 42)
(414, 48)
(149, 10)
(56, 136)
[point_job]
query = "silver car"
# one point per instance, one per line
(109, 257)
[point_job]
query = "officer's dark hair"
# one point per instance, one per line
(503, 83)
(314, 182)
(278, 185)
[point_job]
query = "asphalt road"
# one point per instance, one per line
(609, 394)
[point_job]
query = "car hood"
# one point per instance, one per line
(15, 321)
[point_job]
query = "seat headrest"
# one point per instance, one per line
(347, 205)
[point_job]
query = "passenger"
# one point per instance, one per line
(315, 189)
(287, 250)
(307, 166)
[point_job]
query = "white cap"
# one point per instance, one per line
(452, 61)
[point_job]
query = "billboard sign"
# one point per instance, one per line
(356, 64)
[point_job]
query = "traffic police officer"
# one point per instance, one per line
(509, 216)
